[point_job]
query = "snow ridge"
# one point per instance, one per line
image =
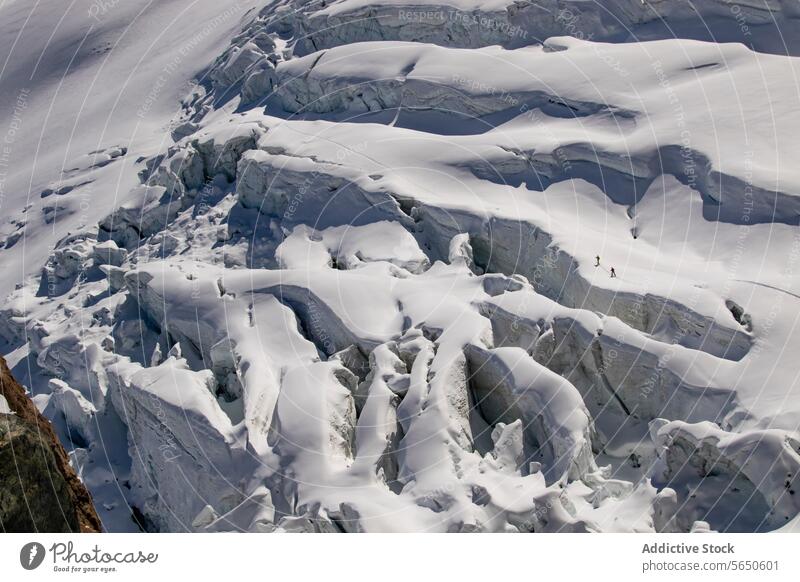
(368, 286)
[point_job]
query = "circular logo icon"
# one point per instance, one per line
(31, 555)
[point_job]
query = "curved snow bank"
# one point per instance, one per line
(414, 390)
(512, 246)
(348, 247)
(377, 434)
(294, 189)
(642, 103)
(365, 77)
(758, 468)
(177, 434)
(615, 368)
(471, 24)
(509, 386)
(302, 191)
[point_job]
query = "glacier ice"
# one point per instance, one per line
(356, 288)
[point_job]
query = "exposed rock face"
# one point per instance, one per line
(34, 496)
(39, 491)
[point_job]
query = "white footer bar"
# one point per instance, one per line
(400, 557)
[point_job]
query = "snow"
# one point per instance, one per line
(275, 268)
(4, 409)
(351, 246)
(763, 26)
(83, 81)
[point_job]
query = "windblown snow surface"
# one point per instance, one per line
(331, 266)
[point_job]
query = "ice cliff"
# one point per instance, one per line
(354, 285)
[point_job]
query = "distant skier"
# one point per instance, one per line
(613, 273)
(597, 261)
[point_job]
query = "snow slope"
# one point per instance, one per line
(332, 267)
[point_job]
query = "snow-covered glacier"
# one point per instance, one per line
(409, 265)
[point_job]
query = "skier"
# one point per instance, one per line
(597, 261)
(613, 273)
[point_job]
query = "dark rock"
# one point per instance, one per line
(39, 490)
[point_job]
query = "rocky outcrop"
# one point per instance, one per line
(39, 490)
